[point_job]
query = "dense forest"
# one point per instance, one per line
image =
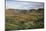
(16, 19)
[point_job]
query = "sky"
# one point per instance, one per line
(18, 4)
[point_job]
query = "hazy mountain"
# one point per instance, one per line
(13, 12)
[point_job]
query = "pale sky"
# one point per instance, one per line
(18, 4)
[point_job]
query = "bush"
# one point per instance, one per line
(29, 22)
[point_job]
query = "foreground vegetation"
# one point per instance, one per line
(31, 20)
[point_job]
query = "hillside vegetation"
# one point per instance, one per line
(24, 19)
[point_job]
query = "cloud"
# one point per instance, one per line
(23, 5)
(28, 0)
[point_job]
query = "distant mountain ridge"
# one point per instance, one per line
(13, 12)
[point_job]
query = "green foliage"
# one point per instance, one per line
(25, 21)
(14, 24)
